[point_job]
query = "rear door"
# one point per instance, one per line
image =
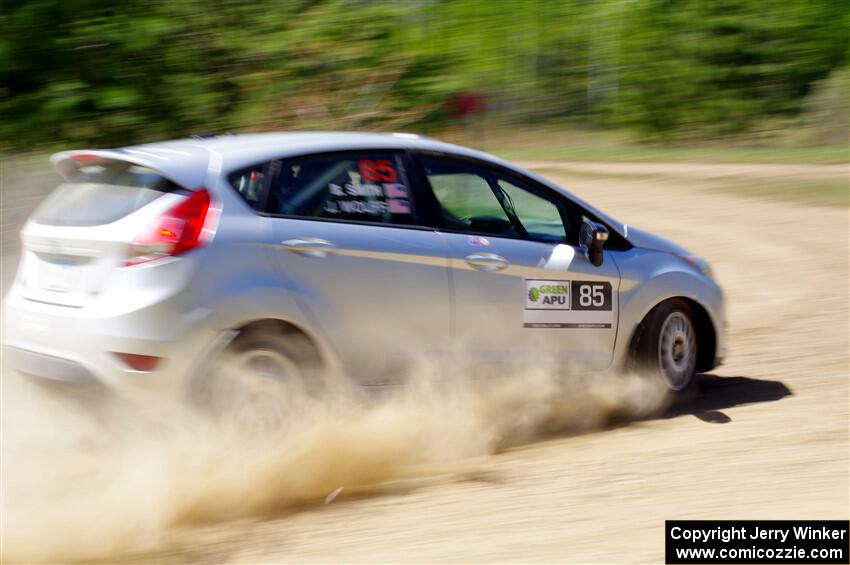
(522, 287)
(348, 242)
(77, 237)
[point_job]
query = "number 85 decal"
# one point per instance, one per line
(381, 170)
(591, 295)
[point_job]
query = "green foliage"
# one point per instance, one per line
(827, 109)
(695, 65)
(106, 72)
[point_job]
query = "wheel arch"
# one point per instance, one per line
(281, 327)
(706, 334)
(224, 337)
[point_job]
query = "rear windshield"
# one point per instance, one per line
(101, 193)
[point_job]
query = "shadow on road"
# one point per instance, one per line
(715, 393)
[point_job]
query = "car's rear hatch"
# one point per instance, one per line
(85, 230)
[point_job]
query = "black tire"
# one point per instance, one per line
(667, 346)
(256, 383)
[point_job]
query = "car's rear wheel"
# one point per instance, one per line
(668, 346)
(260, 379)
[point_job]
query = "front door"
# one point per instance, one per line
(522, 288)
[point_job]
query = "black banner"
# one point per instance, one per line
(591, 295)
(819, 542)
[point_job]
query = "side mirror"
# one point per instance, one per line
(592, 238)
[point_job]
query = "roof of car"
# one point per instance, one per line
(238, 141)
(188, 161)
(241, 150)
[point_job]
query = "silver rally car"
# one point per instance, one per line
(347, 250)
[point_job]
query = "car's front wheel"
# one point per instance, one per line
(668, 346)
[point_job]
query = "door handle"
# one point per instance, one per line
(309, 246)
(487, 261)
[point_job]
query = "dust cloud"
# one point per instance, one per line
(87, 478)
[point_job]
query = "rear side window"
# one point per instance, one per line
(249, 183)
(367, 187)
(102, 192)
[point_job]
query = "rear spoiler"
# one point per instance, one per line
(177, 167)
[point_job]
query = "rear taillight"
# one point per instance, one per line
(138, 362)
(177, 230)
(84, 158)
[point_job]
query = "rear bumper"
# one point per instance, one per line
(64, 344)
(47, 366)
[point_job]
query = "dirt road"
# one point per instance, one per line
(700, 171)
(767, 439)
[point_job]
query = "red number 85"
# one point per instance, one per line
(381, 170)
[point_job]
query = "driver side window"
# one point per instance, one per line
(468, 204)
(479, 201)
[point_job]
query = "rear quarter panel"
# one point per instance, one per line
(238, 279)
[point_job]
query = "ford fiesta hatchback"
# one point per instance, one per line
(338, 250)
